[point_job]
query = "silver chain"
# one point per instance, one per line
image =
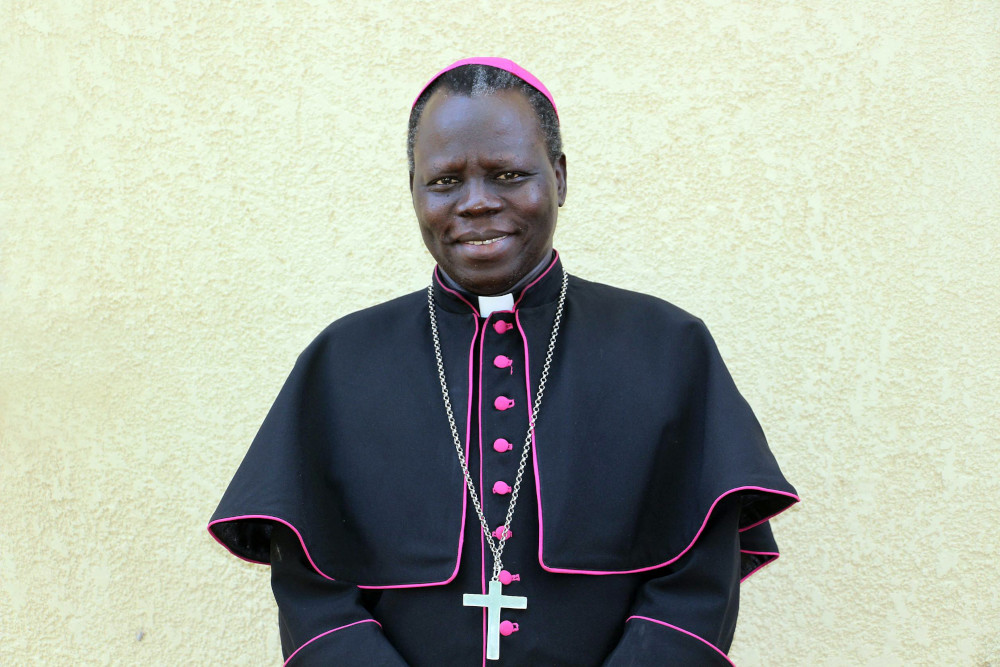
(496, 547)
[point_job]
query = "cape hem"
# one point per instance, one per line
(769, 557)
(686, 632)
(793, 497)
(267, 517)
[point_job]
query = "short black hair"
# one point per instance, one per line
(482, 80)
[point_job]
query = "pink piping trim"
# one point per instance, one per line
(774, 555)
(450, 578)
(686, 632)
(530, 402)
(767, 518)
(664, 563)
(269, 518)
(534, 282)
(463, 299)
(324, 634)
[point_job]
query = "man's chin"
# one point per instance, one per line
(483, 281)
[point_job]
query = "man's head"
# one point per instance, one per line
(478, 79)
(487, 175)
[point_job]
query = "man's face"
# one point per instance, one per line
(485, 193)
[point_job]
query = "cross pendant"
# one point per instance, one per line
(494, 601)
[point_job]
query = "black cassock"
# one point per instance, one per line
(644, 503)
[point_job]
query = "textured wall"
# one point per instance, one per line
(190, 191)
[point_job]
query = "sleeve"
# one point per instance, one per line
(322, 621)
(687, 616)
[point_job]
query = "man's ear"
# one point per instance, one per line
(560, 168)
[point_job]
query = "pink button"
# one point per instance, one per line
(502, 327)
(503, 403)
(500, 361)
(506, 577)
(507, 628)
(500, 445)
(498, 533)
(501, 488)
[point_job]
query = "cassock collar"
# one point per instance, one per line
(541, 290)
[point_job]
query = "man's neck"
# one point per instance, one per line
(491, 304)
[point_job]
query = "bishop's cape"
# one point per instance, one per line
(644, 503)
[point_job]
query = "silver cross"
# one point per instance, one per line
(494, 601)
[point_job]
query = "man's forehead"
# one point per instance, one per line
(500, 116)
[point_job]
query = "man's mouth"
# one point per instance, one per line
(487, 241)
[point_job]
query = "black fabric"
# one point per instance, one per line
(697, 595)
(646, 644)
(641, 441)
(325, 618)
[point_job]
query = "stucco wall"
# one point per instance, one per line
(190, 191)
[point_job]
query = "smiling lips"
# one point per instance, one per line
(487, 241)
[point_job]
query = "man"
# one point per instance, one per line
(515, 466)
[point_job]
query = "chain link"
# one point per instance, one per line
(496, 548)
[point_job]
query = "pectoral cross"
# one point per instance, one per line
(494, 601)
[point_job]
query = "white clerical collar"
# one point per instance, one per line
(491, 304)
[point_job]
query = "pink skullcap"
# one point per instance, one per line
(499, 63)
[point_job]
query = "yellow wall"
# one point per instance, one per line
(189, 192)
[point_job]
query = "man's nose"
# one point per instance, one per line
(478, 198)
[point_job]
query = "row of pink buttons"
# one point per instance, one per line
(500, 445)
(502, 403)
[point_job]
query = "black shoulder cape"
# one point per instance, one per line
(642, 434)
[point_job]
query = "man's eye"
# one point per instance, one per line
(509, 175)
(444, 180)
